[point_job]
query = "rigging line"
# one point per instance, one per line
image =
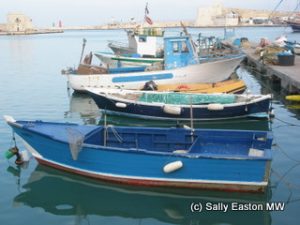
(280, 126)
(295, 9)
(282, 178)
(276, 7)
(295, 200)
(287, 123)
(287, 155)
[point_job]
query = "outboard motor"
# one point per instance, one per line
(150, 86)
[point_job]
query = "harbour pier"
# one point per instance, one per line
(288, 77)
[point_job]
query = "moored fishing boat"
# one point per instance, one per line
(181, 65)
(173, 157)
(294, 22)
(180, 106)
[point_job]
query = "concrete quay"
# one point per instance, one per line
(287, 76)
(30, 32)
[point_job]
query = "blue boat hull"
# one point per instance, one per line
(294, 26)
(155, 112)
(129, 162)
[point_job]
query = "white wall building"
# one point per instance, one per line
(18, 22)
(206, 15)
(216, 16)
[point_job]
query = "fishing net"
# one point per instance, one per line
(75, 142)
(269, 53)
(186, 99)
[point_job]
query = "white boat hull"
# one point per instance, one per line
(113, 60)
(208, 72)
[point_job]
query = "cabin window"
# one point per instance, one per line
(175, 47)
(142, 39)
(184, 47)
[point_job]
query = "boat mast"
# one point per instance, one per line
(192, 119)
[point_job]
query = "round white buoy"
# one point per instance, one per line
(173, 166)
(25, 156)
(215, 107)
(174, 110)
(121, 105)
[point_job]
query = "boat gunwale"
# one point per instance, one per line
(267, 152)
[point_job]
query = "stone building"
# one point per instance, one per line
(2, 27)
(206, 15)
(18, 22)
(216, 15)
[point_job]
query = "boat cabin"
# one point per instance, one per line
(145, 41)
(179, 52)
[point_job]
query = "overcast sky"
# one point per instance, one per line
(95, 12)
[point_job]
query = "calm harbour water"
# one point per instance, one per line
(31, 87)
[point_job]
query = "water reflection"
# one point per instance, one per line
(84, 106)
(64, 194)
(241, 124)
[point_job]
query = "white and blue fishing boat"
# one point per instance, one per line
(174, 157)
(143, 48)
(180, 106)
(181, 64)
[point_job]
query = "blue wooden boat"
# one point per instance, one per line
(174, 157)
(180, 106)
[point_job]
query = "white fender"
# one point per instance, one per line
(180, 151)
(215, 107)
(121, 105)
(9, 119)
(173, 166)
(174, 110)
(25, 156)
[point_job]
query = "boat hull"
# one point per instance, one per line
(209, 72)
(231, 187)
(121, 50)
(294, 26)
(116, 60)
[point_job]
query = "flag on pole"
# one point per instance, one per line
(147, 18)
